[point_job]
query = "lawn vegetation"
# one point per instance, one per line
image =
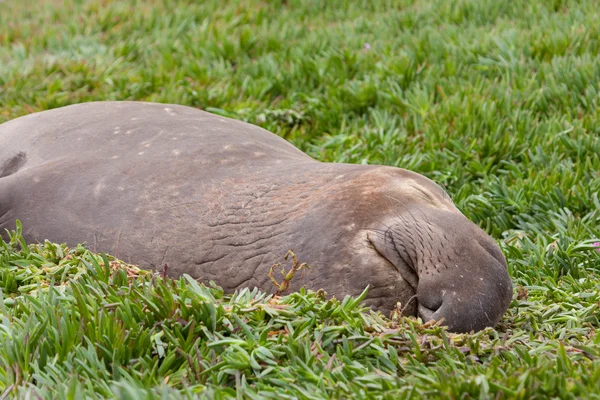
(496, 100)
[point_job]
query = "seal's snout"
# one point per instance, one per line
(473, 290)
(458, 272)
(468, 302)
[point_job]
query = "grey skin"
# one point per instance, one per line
(223, 200)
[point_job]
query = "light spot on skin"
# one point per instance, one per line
(140, 153)
(176, 152)
(121, 188)
(227, 146)
(173, 138)
(36, 179)
(259, 154)
(339, 177)
(128, 132)
(97, 190)
(134, 119)
(114, 157)
(79, 139)
(170, 111)
(147, 145)
(366, 192)
(350, 227)
(99, 187)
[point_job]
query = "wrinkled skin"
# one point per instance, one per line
(223, 200)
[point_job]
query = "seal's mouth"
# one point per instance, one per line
(427, 305)
(389, 255)
(427, 311)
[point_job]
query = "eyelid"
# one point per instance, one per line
(425, 194)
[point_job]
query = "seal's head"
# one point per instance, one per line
(456, 270)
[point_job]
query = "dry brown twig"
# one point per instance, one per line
(287, 277)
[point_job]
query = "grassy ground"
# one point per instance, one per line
(496, 100)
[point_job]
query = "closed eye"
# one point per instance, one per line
(426, 194)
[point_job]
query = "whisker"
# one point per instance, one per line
(408, 303)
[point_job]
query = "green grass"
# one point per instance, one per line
(496, 100)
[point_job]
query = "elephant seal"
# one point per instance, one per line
(223, 200)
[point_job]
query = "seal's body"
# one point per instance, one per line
(223, 200)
